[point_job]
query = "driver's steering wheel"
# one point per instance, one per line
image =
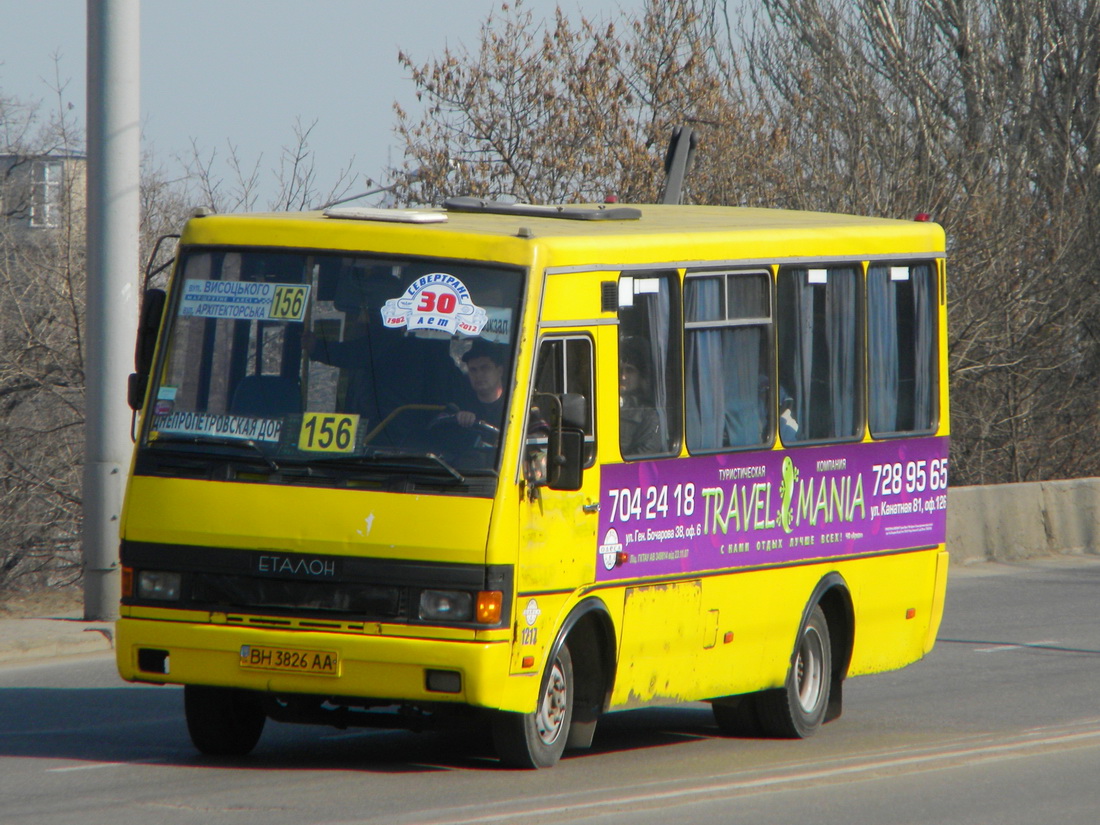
(488, 436)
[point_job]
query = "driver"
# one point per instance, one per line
(485, 369)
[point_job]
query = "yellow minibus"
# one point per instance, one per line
(535, 464)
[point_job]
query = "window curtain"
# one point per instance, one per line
(745, 391)
(802, 354)
(705, 401)
(842, 333)
(660, 310)
(896, 341)
(924, 303)
(882, 350)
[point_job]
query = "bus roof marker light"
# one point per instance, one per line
(923, 217)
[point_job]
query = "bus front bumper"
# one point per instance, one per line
(376, 667)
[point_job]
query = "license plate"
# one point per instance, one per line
(290, 660)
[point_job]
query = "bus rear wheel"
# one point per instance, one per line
(797, 710)
(537, 740)
(223, 721)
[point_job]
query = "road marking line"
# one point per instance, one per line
(1016, 646)
(628, 798)
(95, 766)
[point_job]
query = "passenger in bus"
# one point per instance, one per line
(485, 369)
(639, 424)
(788, 425)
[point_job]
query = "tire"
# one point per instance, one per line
(223, 721)
(537, 740)
(798, 709)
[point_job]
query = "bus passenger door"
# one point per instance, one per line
(557, 541)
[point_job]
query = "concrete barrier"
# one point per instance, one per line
(1004, 522)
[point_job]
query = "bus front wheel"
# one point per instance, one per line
(537, 740)
(223, 721)
(797, 710)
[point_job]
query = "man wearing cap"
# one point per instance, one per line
(485, 369)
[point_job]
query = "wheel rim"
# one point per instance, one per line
(551, 714)
(809, 669)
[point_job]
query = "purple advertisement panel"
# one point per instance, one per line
(691, 515)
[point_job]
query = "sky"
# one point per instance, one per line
(216, 73)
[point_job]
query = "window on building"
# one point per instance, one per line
(47, 177)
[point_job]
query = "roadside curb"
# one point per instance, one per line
(37, 638)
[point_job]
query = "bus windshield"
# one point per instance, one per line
(348, 364)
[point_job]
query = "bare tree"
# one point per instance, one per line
(238, 190)
(41, 348)
(42, 300)
(555, 111)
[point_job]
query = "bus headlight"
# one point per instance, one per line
(446, 605)
(159, 585)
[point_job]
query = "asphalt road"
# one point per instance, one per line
(1000, 724)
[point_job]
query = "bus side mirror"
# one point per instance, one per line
(574, 410)
(136, 388)
(152, 311)
(565, 459)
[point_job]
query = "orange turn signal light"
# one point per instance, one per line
(489, 604)
(127, 582)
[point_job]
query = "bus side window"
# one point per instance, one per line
(728, 356)
(901, 332)
(820, 352)
(649, 365)
(564, 367)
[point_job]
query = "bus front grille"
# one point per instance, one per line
(239, 593)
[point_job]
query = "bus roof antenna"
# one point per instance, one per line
(681, 148)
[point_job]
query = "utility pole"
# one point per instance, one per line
(114, 150)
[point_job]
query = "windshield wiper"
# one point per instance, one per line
(221, 441)
(376, 457)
